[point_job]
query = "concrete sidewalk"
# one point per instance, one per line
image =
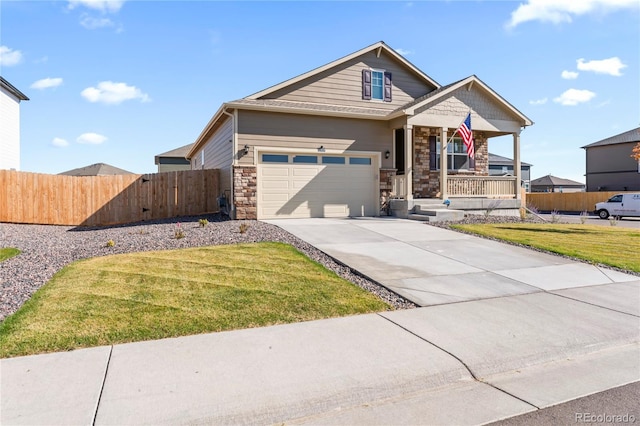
(526, 331)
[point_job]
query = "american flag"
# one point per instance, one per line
(465, 131)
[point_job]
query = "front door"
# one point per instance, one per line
(399, 151)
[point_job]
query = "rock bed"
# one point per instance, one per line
(45, 249)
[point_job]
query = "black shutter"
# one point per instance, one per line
(472, 161)
(432, 153)
(387, 87)
(366, 84)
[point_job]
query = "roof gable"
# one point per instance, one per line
(378, 48)
(98, 169)
(499, 160)
(626, 137)
(471, 83)
(555, 181)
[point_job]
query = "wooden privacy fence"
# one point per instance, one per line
(568, 201)
(105, 200)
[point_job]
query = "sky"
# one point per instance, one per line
(119, 82)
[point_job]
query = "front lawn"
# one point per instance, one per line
(153, 295)
(6, 253)
(618, 247)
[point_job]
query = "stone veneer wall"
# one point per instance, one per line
(386, 184)
(426, 182)
(245, 185)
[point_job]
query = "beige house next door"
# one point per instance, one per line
(303, 185)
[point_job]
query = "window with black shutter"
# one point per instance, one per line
(376, 85)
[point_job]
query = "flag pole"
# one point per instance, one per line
(456, 131)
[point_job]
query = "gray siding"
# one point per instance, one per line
(173, 167)
(495, 170)
(310, 132)
(611, 168)
(459, 101)
(217, 154)
(342, 85)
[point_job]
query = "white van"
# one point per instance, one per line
(620, 205)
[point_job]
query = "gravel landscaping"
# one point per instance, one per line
(46, 249)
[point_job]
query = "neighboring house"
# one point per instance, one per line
(99, 169)
(10, 98)
(551, 183)
(174, 160)
(503, 166)
(341, 139)
(610, 166)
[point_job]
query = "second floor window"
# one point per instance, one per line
(377, 90)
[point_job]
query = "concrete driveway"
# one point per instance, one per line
(433, 266)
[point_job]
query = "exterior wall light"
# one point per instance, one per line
(245, 151)
(387, 154)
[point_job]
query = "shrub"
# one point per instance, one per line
(584, 216)
(179, 233)
(110, 243)
(555, 216)
(243, 227)
(203, 222)
(613, 220)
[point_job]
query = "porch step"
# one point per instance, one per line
(433, 213)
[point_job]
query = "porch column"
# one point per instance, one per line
(443, 163)
(408, 161)
(517, 171)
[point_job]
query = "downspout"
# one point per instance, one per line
(234, 143)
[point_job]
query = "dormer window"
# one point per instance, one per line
(376, 85)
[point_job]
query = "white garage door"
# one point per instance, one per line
(316, 185)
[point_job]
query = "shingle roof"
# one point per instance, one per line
(307, 106)
(178, 152)
(626, 137)
(99, 169)
(503, 161)
(11, 88)
(550, 180)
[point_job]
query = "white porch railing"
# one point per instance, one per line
(398, 187)
(481, 186)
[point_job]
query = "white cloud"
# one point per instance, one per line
(46, 83)
(569, 75)
(91, 138)
(9, 57)
(404, 52)
(611, 66)
(105, 6)
(538, 101)
(92, 23)
(59, 142)
(562, 11)
(573, 97)
(109, 92)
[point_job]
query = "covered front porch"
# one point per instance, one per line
(432, 165)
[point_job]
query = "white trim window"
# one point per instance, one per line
(376, 85)
(457, 157)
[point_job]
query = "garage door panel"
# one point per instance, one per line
(277, 172)
(274, 197)
(305, 171)
(277, 185)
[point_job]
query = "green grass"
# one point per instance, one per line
(6, 253)
(153, 295)
(618, 247)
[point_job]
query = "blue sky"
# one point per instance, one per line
(121, 81)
